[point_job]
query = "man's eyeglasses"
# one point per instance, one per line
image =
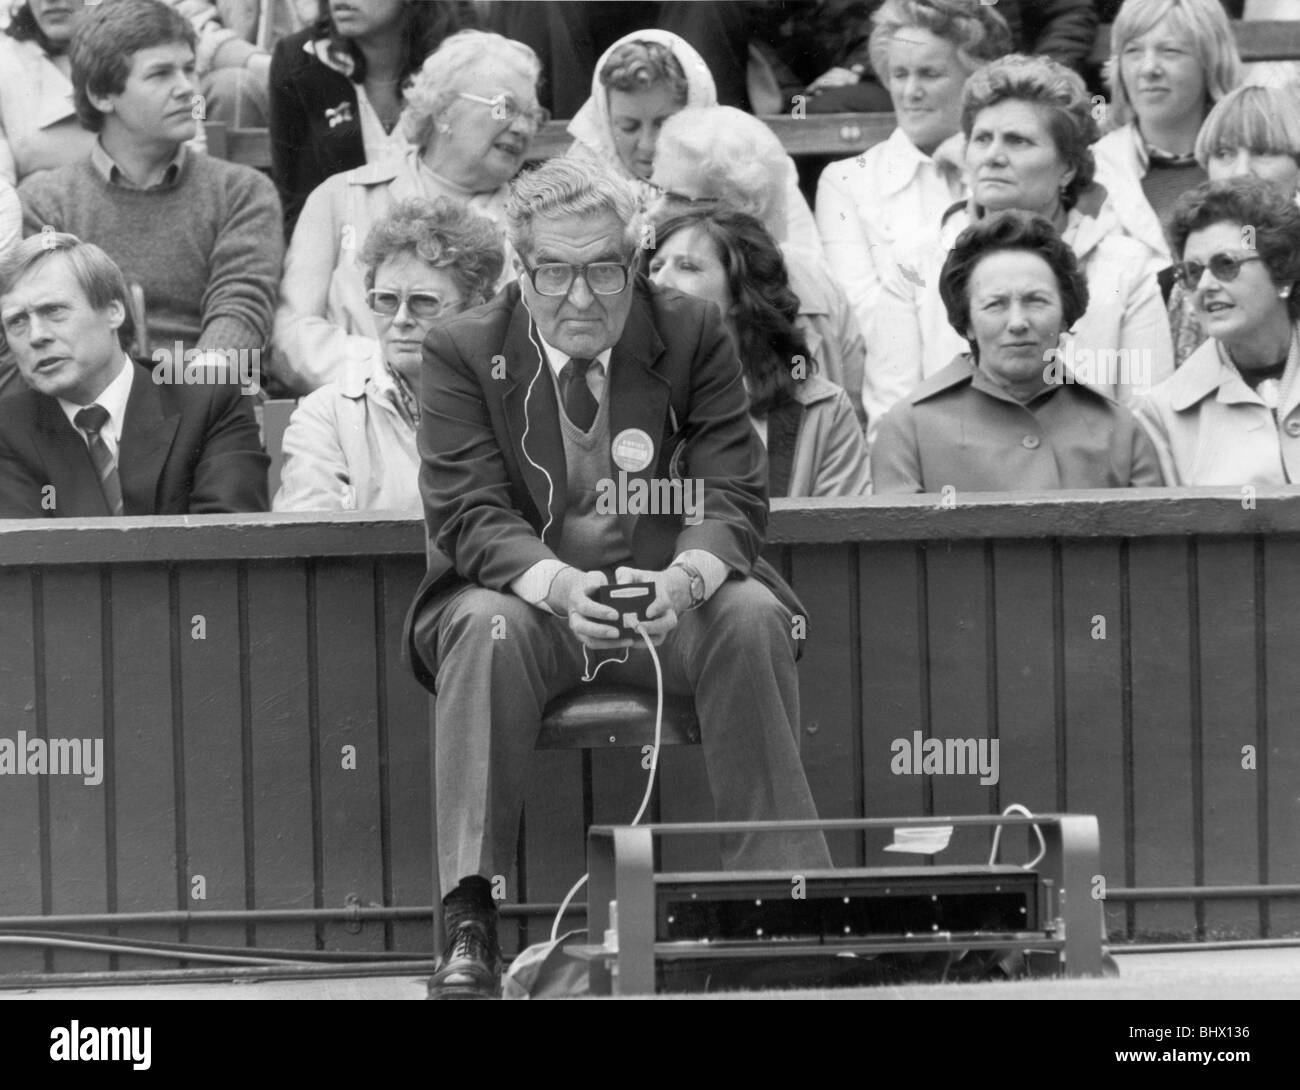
(419, 304)
(1225, 268)
(505, 107)
(556, 278)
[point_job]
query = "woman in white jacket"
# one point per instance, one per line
(897, 191)
(1170, 61)
(1028, 124)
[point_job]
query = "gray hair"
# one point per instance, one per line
(98, 275)
(567, 187)
(733, 157)
(433, 87)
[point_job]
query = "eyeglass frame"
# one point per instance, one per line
(1182, 276)
(405, 297)
(578, 271)
(538, 115)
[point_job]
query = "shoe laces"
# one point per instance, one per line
(471, 940)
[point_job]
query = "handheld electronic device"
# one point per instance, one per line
(632, 600)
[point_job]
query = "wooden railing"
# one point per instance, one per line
(1133, 654)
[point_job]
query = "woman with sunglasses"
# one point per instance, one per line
(1230, 415)
(337, 89)
(350, 446)
(1251, 131)
(470, 115)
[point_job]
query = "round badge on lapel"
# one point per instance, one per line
(632, 450)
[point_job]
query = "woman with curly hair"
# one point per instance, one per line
(872, 204)
(351, 444)
(337, 88)
(814, 443)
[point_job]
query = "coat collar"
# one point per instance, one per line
(1205, 372)
(148, 429)
(46, 88)
(963, 371)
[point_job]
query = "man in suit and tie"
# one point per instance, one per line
(580, 375)
(95, 434)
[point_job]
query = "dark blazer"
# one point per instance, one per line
(183, 450)
(491, 514)
(305, 148)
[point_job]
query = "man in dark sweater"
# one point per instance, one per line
(200, 236)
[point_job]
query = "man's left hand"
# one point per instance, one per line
(672, 598)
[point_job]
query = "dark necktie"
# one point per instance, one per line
(579, 403)
(91, 420)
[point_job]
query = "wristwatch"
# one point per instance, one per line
(697, 582)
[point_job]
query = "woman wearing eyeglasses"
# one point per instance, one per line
(471, 115)
(336, 89)
(350, 446)
(1231, 414)
(1252, 131)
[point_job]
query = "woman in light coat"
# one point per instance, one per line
(1028, 124)
(896, 192)
(351, 445)
(1230, 415)
(39, 129)
(471, 116)
(813, 440)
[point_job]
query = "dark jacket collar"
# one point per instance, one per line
(148, 429)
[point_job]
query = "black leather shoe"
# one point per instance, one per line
(470, 966)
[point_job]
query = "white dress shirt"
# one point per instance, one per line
(113, 400)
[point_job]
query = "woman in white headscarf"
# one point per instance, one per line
(642, 80)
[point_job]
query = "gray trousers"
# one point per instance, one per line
(498, 661)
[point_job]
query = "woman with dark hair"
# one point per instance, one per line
(1010, 414)
(1029, 123)
(337, 88)
(1251, 131)
(814, 443)
(351, 444)
(38, 123)
(1230, 415)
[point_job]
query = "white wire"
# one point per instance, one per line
(650, 782)
(997, 835)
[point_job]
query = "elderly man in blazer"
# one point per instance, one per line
(542, 413)
(95, 434)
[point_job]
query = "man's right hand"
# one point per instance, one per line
(594, 624)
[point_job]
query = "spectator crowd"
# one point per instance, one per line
(1050, 275)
